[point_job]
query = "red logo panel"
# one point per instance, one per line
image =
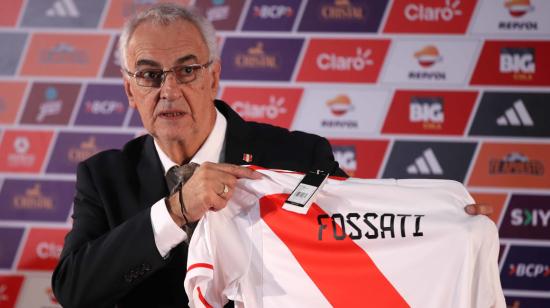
(10, 12)
(429, 112)
(64, 55)
(522, 63)
(512, 165)
(9, 290)
(359, 158)
(343, 60)
(11, 94)
(430, 16)
(23, 151)
(276, 106)
(42, 249)
(120, 10)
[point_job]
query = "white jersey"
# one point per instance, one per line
(363, 243)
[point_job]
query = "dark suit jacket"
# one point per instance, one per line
(110, 256)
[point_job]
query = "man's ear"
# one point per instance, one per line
(215, 81)
(129, 92)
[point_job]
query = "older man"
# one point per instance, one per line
(128, 245)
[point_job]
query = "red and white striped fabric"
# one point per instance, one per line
(363, 243)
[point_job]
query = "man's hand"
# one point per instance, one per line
(478, 209)
(209, 188)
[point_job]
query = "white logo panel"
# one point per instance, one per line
(341, 113)
(37, 292)
(429, 62)
(508, 16)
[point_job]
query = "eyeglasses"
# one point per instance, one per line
(154, 78)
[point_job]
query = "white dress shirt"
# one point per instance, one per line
(167, 233)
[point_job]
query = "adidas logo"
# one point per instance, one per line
(516, 115)
(425, 164)
(63, 8)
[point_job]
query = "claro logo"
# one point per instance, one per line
(331, 61)
(272, 110)
(48, 250)
(421, 12)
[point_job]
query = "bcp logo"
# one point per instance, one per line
(42, 249)
(50, 103)
(276, 106)
(425, 16)
(359, 158)
(24, 151)
(64, 55)
(271, 15)
(343, 16)
(514, 63)
(529, 270)
(9, 289)
(512, 165)
(259, 58)
(103, 105)
(343, 60)
(527, 217)
(429, 112)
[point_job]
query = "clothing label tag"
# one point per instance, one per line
(304, 194)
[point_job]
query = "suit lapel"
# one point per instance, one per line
(237, 137)
(150, 175)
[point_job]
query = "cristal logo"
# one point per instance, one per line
(518, 8)
(340, 105)
(421, 12)
(48, 250)
(517, 60)
(256, 58)
(342, 10)
(105, 107)
(33, 199)
(427, 110)
(529, 270)
(21, 145)
(530, 217)
(331, 61)
(272, 110)
(428, 56)
(87, 148)
(272, 11)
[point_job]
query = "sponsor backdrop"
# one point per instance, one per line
(410, 89)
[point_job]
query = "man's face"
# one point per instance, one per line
(173, 112)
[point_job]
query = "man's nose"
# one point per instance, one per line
(169, 88)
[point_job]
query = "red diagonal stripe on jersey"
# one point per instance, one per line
(202, 299)
(342, 271)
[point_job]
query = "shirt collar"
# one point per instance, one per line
(210, 150)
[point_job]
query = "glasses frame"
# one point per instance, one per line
(195, 68)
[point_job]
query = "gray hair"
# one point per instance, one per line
(165, 14)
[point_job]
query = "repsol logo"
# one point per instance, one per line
(357, 226)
